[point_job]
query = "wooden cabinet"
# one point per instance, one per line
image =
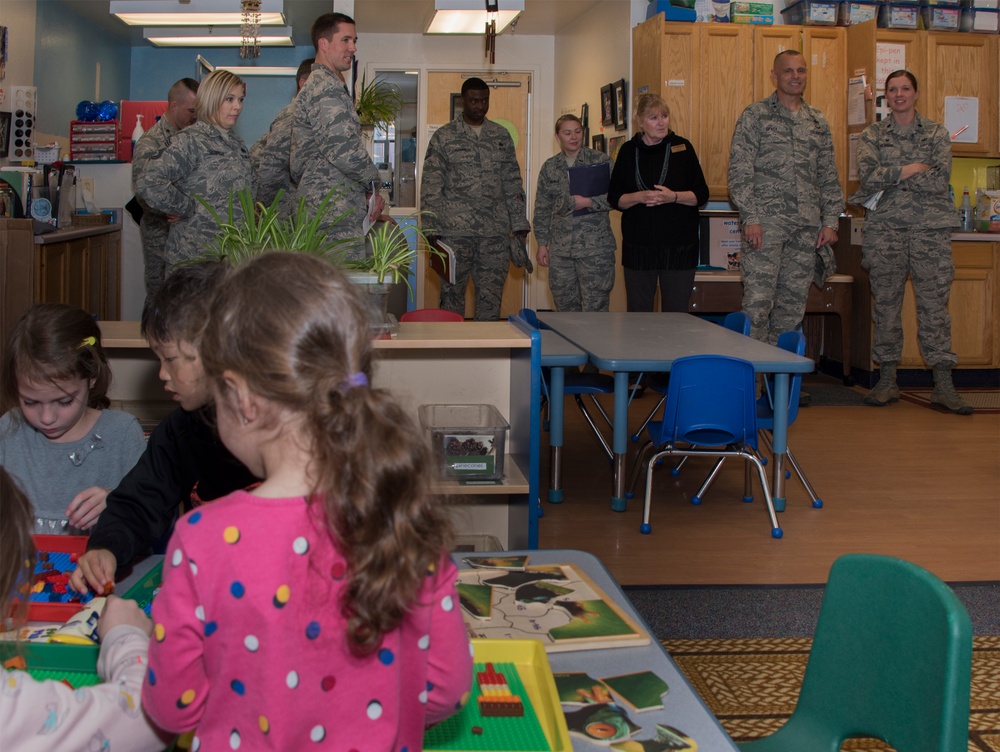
(82, 272)
(476, 363)
(975, 326)
(80, 266)
(964, 65)
(700, 70)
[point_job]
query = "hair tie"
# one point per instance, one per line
(92, 341)
(355, 379)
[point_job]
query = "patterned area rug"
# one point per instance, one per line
(982, 400)
(752, 685)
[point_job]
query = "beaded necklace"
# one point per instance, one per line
(663, 170)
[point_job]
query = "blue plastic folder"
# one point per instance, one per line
(589, 180)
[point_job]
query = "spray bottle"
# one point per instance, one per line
(137, 131)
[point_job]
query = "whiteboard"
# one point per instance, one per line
(961, 118)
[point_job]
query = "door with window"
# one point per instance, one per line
(509, 103)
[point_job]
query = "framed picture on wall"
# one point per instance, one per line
(620, 105)
(585, 115)
(456, 105)
(614, 144)
(607, 103)
(598, 144)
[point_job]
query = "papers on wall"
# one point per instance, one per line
(961, 118)
(888, 58)
(856, 101)
(852, 151)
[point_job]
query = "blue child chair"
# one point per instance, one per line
(710, 410)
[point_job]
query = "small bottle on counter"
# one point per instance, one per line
(966, 216)
(137, 131)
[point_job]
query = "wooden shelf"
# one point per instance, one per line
(514, 482)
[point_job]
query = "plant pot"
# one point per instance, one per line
(376, 298)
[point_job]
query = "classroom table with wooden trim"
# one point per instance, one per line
(682, 709)
(625, 343)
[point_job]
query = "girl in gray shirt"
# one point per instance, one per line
(57, 439)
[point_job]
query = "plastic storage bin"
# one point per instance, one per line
(857, 11)
(898, 15)
(940, 17)
(811, 13)
(470, 440)
(981, 20)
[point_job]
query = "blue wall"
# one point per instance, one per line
(154, 70)
(67, 50)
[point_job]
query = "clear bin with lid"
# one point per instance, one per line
(941, 17)
(469, 440)
(980, 20)
(898, 16)
(857, 11)
(811, 13)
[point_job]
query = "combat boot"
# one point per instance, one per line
(885, 392)
(944, 394)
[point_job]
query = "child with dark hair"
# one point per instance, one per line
(330, 584)
(50, 715)
(66, 450)
(184, 464)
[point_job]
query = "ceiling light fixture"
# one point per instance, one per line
(193, 12)
(216, 36)
(472, 16)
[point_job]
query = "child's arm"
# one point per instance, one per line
(176, 689)
(50, 716)
(449, 659)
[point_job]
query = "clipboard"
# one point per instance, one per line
(588, 180)
(444, 262)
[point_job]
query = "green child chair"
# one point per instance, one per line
(891, 659)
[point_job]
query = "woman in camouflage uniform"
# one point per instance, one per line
(906, 158)
(579, 251)
(207, 160)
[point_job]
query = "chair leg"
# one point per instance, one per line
(645, 528)
(816, 501)
(750, 454)
(636, 468)
(747, 484)
(652, 413)
(601, 410)
(593, 426)
(676, 469)
(696, 499)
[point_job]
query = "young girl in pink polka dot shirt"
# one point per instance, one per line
(318, 611)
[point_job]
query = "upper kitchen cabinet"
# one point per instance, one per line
(701, 72)
(963, 65)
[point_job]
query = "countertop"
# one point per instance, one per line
(77, 231)
(980, 237)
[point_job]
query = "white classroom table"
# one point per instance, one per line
(682, 707)
(651, 342)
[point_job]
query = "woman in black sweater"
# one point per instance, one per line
(658, 185)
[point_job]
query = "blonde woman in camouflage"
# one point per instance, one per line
(579, 251)
(907, 158)
(208, 160)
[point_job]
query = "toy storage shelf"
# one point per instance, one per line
(475, 363)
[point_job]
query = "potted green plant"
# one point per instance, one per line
(263, 229)
(378, 103)
(393, 249)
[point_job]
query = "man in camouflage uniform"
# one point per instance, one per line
(327, 152)
(154, 227)
(269, 156)
(783, 179)
(472, 186)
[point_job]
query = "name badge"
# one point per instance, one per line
(678, 147)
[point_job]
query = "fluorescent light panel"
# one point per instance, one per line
(204, 36)
(470, 16)
(194, 13)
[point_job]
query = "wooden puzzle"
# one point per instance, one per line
(556, 604)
